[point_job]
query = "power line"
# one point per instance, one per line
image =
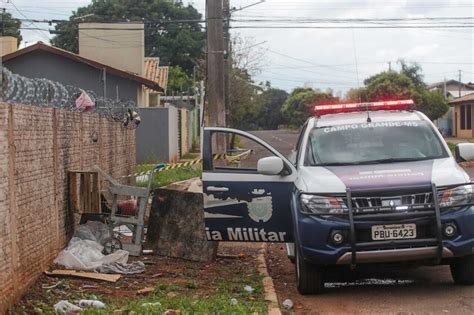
(353, 27)
(21, 13)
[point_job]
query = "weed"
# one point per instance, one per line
(191, 285)
(170, 176)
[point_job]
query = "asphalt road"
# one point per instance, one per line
(424, 290)
(282, 140)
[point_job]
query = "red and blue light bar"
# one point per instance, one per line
(354, 107)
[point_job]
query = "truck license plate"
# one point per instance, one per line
(393, 232)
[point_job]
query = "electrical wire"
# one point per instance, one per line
(22, 14)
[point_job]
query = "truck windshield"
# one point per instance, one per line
(375, 142)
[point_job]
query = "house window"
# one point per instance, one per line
(466, 118)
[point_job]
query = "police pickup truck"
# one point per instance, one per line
(368, 183)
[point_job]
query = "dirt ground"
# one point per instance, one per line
(177, 279)
(424, 290)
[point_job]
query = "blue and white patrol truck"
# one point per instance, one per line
(368, 183)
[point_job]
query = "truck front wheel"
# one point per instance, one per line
(309, 277)
(462, 270)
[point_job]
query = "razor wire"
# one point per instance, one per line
(42, 92)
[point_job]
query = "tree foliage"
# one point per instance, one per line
(178, 81)
(252, 106)
(390, 85)
(406, 84)
(10, 26)
(177, 44)
(300, 103)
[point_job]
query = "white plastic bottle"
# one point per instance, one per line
(91, 303)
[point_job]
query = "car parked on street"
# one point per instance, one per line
(368, 183)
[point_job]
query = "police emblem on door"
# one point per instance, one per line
(260, 208)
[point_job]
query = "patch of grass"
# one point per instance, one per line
(188, 297)
(191, 285)
(186, 301)
(168, 177)
(172, 297)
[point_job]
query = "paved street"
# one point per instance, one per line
(426, 290)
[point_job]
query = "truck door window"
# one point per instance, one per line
(241, 153)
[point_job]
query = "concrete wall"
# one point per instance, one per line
(41, 64)
(445, 123)
(37, 148)
(173, 134)
(8, 44)
(157, 135)
(120, 45)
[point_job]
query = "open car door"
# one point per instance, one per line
(247, 188)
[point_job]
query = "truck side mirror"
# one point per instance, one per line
(272, 165)
(464, 152)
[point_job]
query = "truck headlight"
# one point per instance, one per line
(458, 196)
(322, 205)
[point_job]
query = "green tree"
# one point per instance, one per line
(10, 26)
(414, 72)
(244, 107)
(300, 104)
(433, 104)
(390, 85)
(178, 81)
(271, 101)
(406, 84)
(177, 44)
(356, 95)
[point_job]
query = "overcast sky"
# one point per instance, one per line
(326, 58)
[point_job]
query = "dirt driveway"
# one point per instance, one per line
(426, 290)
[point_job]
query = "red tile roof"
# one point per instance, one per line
(155, 73)
(64, 53)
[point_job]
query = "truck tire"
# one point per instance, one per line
(462, 270)
(309, 277)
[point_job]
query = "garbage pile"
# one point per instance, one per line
(85, 252)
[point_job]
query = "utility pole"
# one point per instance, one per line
(3, 21)
(389, 66)
(215, 63)
(227, 60)
(460, 83)
(215, 70)
(444, 89)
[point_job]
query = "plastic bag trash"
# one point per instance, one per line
(287, 304)
(94, 231)
(65, 307)
(84, 102)
(87, 255)
(249, 289)
(233, 301)
(122, 268)
(91, 303)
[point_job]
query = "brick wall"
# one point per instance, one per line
(37, 148)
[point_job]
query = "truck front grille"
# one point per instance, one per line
(399, 203)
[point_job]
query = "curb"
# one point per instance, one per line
(268, 287)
